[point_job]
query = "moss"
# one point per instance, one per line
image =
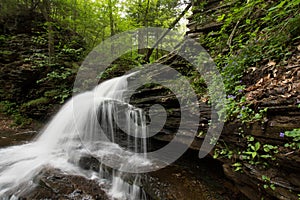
(52, 93)
(2, 38)
(11, 108)
(36, 102)
(7, 107)
(20, 120)
(5, 52)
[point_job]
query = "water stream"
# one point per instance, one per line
(90, 123)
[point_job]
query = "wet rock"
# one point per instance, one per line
(12, 135)
(54, 184)
(89, 163)
(178, 181)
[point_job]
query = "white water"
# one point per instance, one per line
(84, 125)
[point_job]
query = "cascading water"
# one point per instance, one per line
(88, 124)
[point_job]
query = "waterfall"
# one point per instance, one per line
(97, 123)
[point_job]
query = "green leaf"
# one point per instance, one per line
(286, 145)
(238, 169)
(266, 149)
(266, 156)
(220, 18)
(257, 116)
(237, 164)
(216, 155)
(254, 154)
(278, 6)
(257, 146)
(250, 139)
(265, 178)
(272, 186)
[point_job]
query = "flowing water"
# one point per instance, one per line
(92, 123)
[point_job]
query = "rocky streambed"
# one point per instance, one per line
(187, 178)
(178, 181)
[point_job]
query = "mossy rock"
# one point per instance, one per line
(6, 52)
(36, 108)
(7, 56)
(52, 93)
(36, 102)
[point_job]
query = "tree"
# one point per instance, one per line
(45, 8)
(151, 13)
(111, 18)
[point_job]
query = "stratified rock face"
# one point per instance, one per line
(271, 86)
(16, 77)
(198, 24)
(189, 180)
(25, 65)
(275, 88)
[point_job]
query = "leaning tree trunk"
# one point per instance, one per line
(147, 57)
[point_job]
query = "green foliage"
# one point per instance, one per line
(223, 153)
(40, 40)
(253, 32)
(12, 109)
(109, 71)
(76, 54)
(61, 94)
(236, 107)
(38, 60)
(6, 52)
(7, 107)
(267, 182)
(295, 136)
(36, 102)
(198, 84)
(152, 13)
(254, 153)
(2, 38)
(61, 74)
(237, 166)
(59, 70)
(252, 150)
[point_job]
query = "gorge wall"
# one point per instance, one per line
(268, 85)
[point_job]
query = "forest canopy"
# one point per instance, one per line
(96, 20)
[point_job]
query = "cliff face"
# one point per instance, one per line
(274, 85)
(32, 83)
(255, 154)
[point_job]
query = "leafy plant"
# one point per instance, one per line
(12, 109)
(36, 102)
(295, 135)
(264, 30)
(267, 182)
(225, 153)
(237, 166)
(7, 107)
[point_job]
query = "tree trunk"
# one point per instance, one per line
(111, 19)
(147, 57)
(111, 22)
(141, 34)
(46, 11)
